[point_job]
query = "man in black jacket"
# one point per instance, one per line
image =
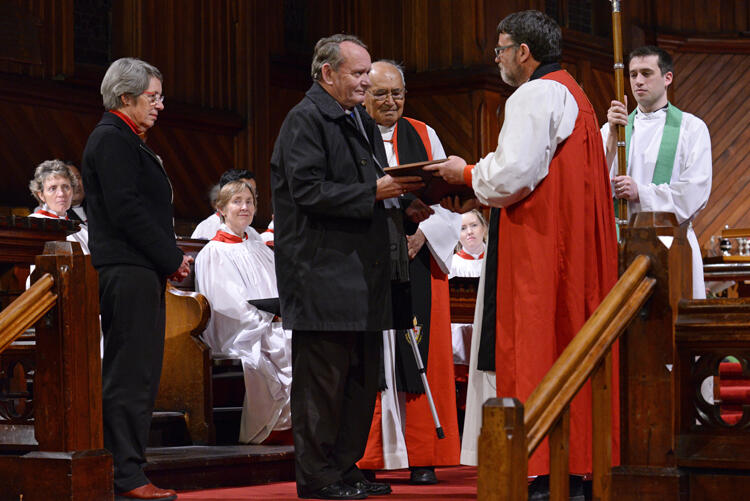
(333, 268)
(133, 248)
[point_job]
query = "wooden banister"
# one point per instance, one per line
(538, 402)
(571, 381)
(26, 310)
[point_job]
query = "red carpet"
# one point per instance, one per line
(459, 482)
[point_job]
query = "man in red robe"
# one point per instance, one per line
(552, 252)
(403, 432)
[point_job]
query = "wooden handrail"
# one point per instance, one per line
(571, 358)
(605, 336)
(26, 310)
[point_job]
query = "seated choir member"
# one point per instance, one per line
(53, 185)
(207, 228)
(77, 211)
(467, 262)
(229, 270)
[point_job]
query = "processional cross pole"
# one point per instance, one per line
(622, 166)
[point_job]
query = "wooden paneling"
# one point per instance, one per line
(711, 86)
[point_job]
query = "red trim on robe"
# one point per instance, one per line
(49, 214)
(558, 276)
(223, 236)
(462, 253)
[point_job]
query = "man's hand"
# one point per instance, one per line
(415, 243)
(625, 188)
(452, 170)
(389, 187)
(183, 271)
(418, 211)
(617, 114)
(456, 205)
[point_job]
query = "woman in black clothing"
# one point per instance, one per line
(133, 248)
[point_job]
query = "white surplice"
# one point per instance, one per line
(81, 236)
(441, 230)
(690, 186)
(539, 116)
(460, 333)
(207, 228)
(229, 274)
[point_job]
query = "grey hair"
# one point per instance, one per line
(396, 65)
(327, 51)
(126, 76)
(50, 168)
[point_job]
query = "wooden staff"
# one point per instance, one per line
(622, 167)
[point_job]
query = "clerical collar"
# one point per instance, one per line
(651, 114)
(385, 129)
(544, 69)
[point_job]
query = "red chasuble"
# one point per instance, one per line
(422, 444)
(557, 259)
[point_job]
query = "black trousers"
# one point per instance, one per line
(131, 300)
(334, 385)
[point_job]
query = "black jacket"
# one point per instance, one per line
(128, 200)
(331, 244)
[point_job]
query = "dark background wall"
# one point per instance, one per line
(233, 68)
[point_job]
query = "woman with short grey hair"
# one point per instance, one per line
(126, 77)
(133, 248)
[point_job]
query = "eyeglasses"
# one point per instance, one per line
(500, 48)
(153, 98)
(381, 95)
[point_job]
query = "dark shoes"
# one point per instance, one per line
(373, 488)
(422, 475)
(148, 491)
(539, 488)
(337, 490)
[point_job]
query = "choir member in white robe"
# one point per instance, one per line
(53, 185)
(230, 270)
(467, 262)
(689, 187)
(207, 228)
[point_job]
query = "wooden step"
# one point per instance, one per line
(207, 467)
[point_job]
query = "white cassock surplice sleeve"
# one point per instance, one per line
(443, 228)
(539, 115)
(228, 275)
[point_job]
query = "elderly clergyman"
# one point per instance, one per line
(403, 433)
(333, 267)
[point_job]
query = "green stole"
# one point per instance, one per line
(667, 148)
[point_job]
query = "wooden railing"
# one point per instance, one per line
(69, 460)
(547, 408)
(26, 310)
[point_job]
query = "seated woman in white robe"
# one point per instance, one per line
(467, 262)
(229, 270)
(52, 186)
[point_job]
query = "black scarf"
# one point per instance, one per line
(417, 298)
